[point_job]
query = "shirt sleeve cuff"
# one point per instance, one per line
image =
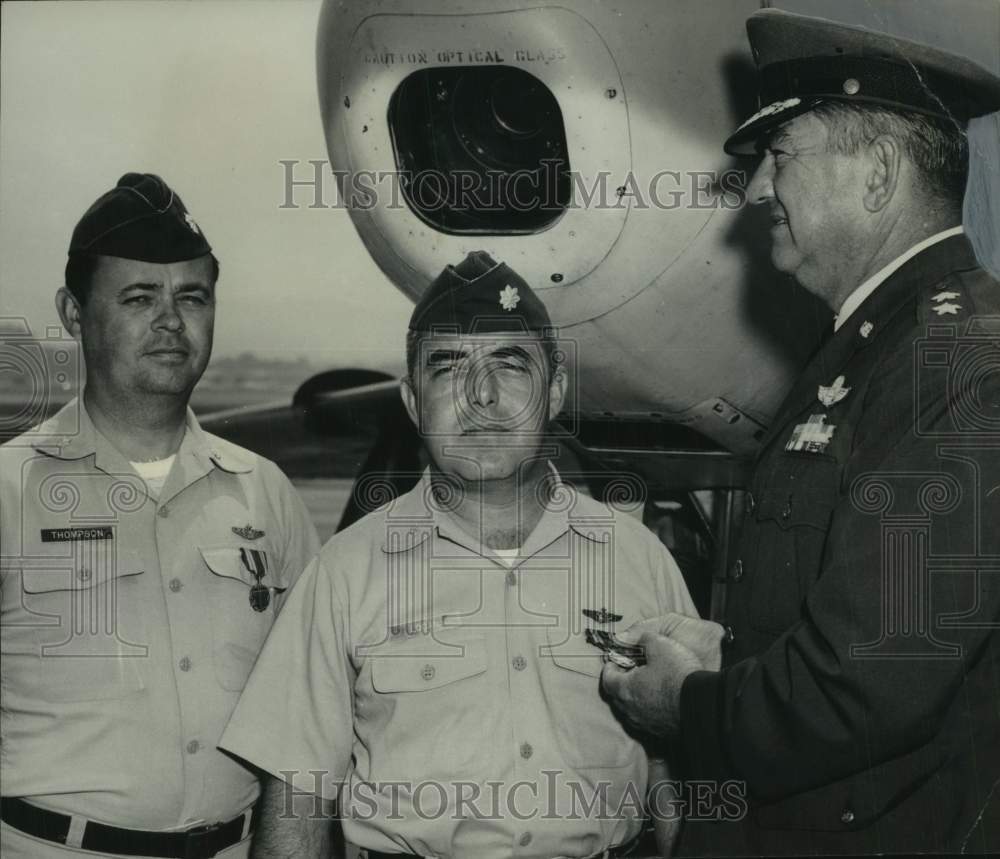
(702, 732)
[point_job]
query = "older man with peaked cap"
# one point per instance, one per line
(434, 654)
(143, 563)
(858, 698)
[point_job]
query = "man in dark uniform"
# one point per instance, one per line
(859, 698)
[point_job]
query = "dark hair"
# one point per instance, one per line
(548, 339)
(938, 149)
(80, 270)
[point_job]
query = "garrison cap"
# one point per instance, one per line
(141, 218)
(479, 296)
(804, 61)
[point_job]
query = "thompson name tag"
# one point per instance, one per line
(64, 535)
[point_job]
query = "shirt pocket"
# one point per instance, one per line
(238, 630)
(428, 709)
(793, 514)
(587, 731)
(68, 642)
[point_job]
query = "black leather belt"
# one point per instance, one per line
(202, 842)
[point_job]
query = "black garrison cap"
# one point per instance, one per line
(479, 296)
(141, 218)
(804, 61)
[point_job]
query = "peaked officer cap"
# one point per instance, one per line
(804, 61)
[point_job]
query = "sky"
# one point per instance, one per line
(212, 96)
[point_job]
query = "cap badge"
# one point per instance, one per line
(509, 297)
(852, 86)
(866, 330)
(771, 108)
(191, 223)
(830, 394)
(248, 532)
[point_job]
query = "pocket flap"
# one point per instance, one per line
(79, 577)
(437, 666)
(234, 562)
(574, 653)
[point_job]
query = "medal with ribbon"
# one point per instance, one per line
(256, 563)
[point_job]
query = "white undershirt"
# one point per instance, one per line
(856, 298)
(508, 556)
(155, 473)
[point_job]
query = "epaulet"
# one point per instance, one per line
(969, 300)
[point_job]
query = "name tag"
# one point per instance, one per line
(66, 535)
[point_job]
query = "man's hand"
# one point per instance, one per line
(702, 637)
(647, 698)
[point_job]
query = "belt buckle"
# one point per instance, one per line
(198, 843)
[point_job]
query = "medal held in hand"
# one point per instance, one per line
(256, 563)
(624, 655)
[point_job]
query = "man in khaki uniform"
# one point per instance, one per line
(143, 563)
(434, 654)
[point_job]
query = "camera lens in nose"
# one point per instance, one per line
(480, 149)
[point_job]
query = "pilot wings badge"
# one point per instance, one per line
(830, 394)
(248, 532)
(601, 615)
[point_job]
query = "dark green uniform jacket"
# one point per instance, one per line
(860, 695)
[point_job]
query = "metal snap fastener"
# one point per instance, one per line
(738, 570)
(847, 816)
(519, 663)
(526, 750)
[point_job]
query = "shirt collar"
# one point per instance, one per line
(553, 524)
(856, 298)
(70, 434)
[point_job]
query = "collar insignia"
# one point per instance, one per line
(248, 532)
(601, 615)
(866, 330)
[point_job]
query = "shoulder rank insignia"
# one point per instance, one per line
(248, 532)
(830, 394)
(945, 296)
(812, 437)
(601, 615)
(256, 563)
